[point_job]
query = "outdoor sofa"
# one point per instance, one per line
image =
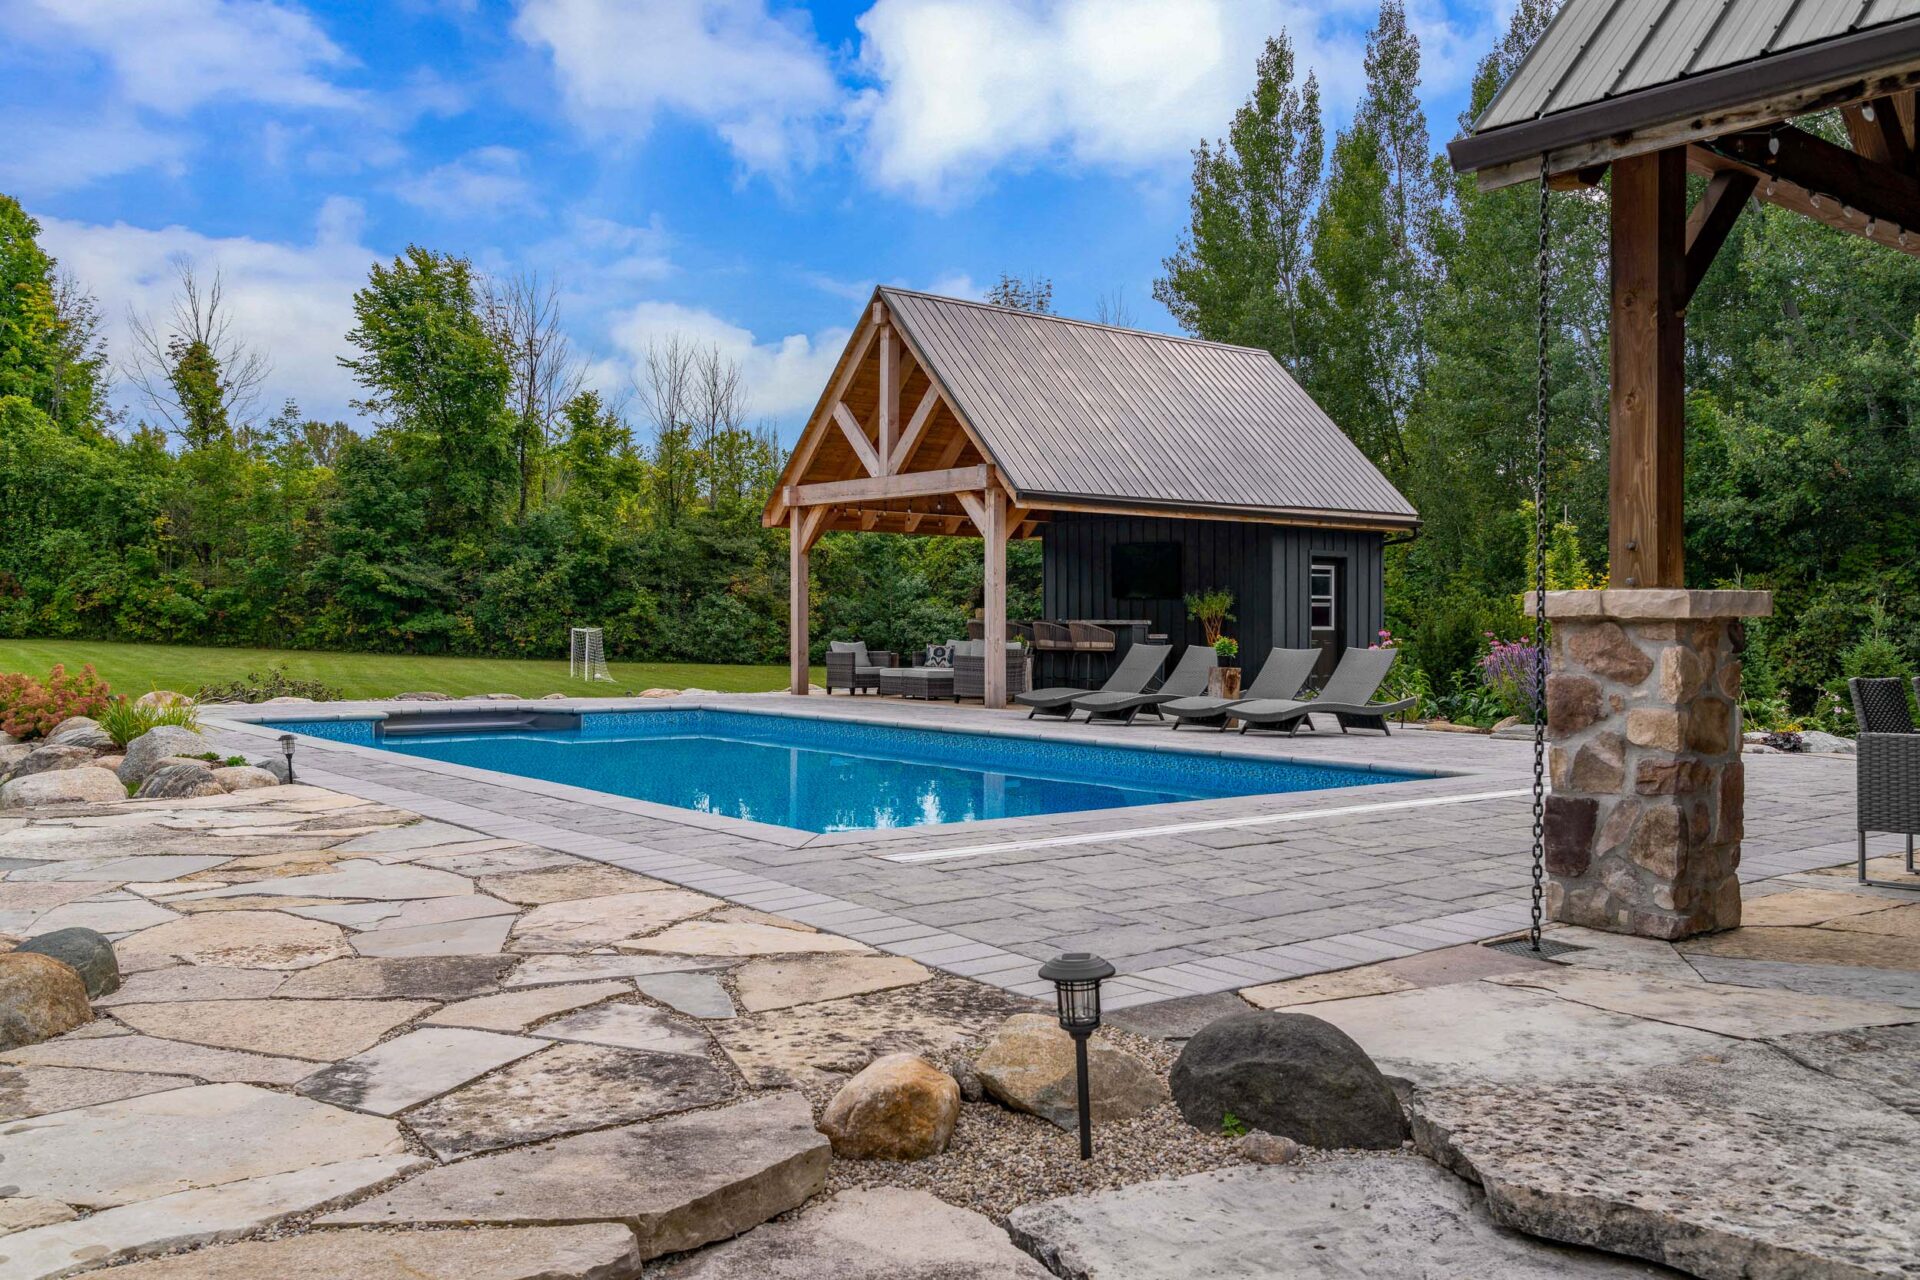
(1136, 670)
(1189, 679)
(853, 667)
(1348, 697)
(1282, 675)
(970, 669)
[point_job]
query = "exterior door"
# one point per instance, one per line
(1325, 586)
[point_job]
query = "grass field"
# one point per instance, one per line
(136, 668)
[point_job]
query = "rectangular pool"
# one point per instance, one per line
(831, 775)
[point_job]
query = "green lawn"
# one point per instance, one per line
(136, 668)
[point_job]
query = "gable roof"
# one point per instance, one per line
(1607, 68)
(1068, 410)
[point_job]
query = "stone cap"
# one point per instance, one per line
(1656, 604)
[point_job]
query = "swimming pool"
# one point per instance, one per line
(832, 775)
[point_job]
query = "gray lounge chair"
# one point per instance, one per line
(1348, 698)
(1135, 672)
(1189, 679)
(1281, 676)
(853, 667)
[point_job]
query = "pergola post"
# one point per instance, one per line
(993, 536)
(800, 670)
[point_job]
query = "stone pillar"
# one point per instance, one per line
(1645, 817)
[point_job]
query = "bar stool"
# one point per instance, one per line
(1052, 637)
(1089, 640)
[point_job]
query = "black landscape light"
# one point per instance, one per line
(1076, 978)
(286, 749)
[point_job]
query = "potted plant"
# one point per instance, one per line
(1224, 680)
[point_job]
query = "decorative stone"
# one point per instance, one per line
(1662, 728)
(1569, 833)
(585, 923)
(628, 1026)
(275, 765)
(234, 778)
(1600, 764)
(783, 983)
(900, 1107)
(160, 698)
(86, 952)
(1029, 1065)
(1819, 743)
(235, 940)
(80, 731)
(179, 780)
(872, 1233)
(1289, 1074)
(678, 1183)
(706, 938)
(1260, 1147)
(66, 786)
(600, 1251)
(51, 758)
(1671, 777)
(39, 997)
(1573, 702)
(322, 1030)
(144, 753)
(409, 1069)
(1605, 649)
(566, 1088)
(32, 1091)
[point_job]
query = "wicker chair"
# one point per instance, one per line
(970, 670)
(1887, 765)
(853, 667)
(1089, 640)
(1052, 637)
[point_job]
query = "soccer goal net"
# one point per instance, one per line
(587, 655)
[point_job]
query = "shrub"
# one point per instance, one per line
(124, 720)
(1212, 609)
(1508, 669)
(29, 708)
(1405, 679)
(258, 686)
(1226, 648)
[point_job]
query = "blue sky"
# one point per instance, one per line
(739, 171)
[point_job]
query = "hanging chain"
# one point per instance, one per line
(1540, 566)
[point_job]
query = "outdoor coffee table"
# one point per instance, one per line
(917, 682)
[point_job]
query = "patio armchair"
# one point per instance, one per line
(853, 667)
(1189, 679)
(970, 669)
(1347, 696)
(1887, 766)
(1282, 676)
(1135, 672)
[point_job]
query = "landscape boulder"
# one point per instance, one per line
(901, 1107)
(80, 731)
(275, 765)
(39, 997)
(1825, 743)
(64, 786)
(86, 952)
(244, 777)
(179, 780)
(8, 740)
(47, 759)
(145, 753)
(1029, 1065)
(1267, 1148)
(418, 696)
(1289, 1074)
(163, 698)
(11, 754)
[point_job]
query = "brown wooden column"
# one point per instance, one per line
(799, 669)
(993, 536)
(1649, 206)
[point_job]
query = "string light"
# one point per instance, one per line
(1870, 225)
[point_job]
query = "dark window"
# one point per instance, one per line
(1322, 597)
(1146, 571)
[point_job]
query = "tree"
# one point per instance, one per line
(193, 369)
(50, 350)
(1349, 298)
(523, 316)
(1022, 294)
(437, 383)
(1111, 308)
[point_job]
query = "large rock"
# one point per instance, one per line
(238, 777)
(902, 1107)
(1290, 1074)
(86, 952)
(162, 698)
(603, 1251)
(179, 780)
(874, 1233)
(80, 731)
(1030, 1065)
(68, 786)
(145, 752)
(39, 997)
(678, 1183)
(48, 758)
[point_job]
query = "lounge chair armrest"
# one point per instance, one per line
(882, 658)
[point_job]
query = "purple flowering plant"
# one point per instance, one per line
(1509, 668)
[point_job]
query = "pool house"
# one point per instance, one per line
(1150, 466)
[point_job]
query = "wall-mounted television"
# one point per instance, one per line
(1146, 571)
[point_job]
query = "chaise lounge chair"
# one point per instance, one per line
(1281, 676)
(1136, 670)
(1347, 698)
(1189, 679)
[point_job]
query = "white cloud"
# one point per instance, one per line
(784, 377)
(761, 82)
(486, 182)
(293, 301)
(45, 154)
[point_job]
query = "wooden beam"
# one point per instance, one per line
(799, 669)
(916, 429)
(813, 525)
(889, 413)
(857, 437)
(813, 433)
(1711, 222)
(976, 509)
(868, 519)
(1869, 189)
(1875, 130)
(909, 484)
(1647, 406)
(993, 536)
(1578, 179)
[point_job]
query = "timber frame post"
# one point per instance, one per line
(993, 540)
(799, 668)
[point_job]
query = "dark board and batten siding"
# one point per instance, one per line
(1265, 566)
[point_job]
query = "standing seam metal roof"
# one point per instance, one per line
(1071, 409)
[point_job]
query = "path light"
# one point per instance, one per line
(286, 749)
(1076, 978)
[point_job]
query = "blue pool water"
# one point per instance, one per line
(828, 775)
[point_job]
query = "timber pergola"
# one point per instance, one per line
(949, 417)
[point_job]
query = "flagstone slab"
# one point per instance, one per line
(116, 1153)
(1893, 986)
(1463, 963)
(19, 1213)
(204, 1216)
(111, 918)
(479, 936)
(580, 924)
(546, 970)
(513, 858)
(1806, 907)
(157, 866)
(433, 855)
(698, 995)
(566, 1089)
(1806, 946)
(137, 1053)
(419, 835)
(678, 1183)
(566, 882)
(234, 939)
(1741, 1012)
(322, 1030)
(516, 1010)
(1899, 922)
(33, 1091)
(628, 1026)
(414, 977)
(1371, 1217)
(359, 878)
(247, 902)
(406, 913)
(1343, 984)
(879, 1233)
(705, 938)
(1881, 1061)
(408, 1070)
(194, 982)
(598, 1251)
(747, 915)
(783, 983)
(44, 895)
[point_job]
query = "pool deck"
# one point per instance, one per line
(1185, 899)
